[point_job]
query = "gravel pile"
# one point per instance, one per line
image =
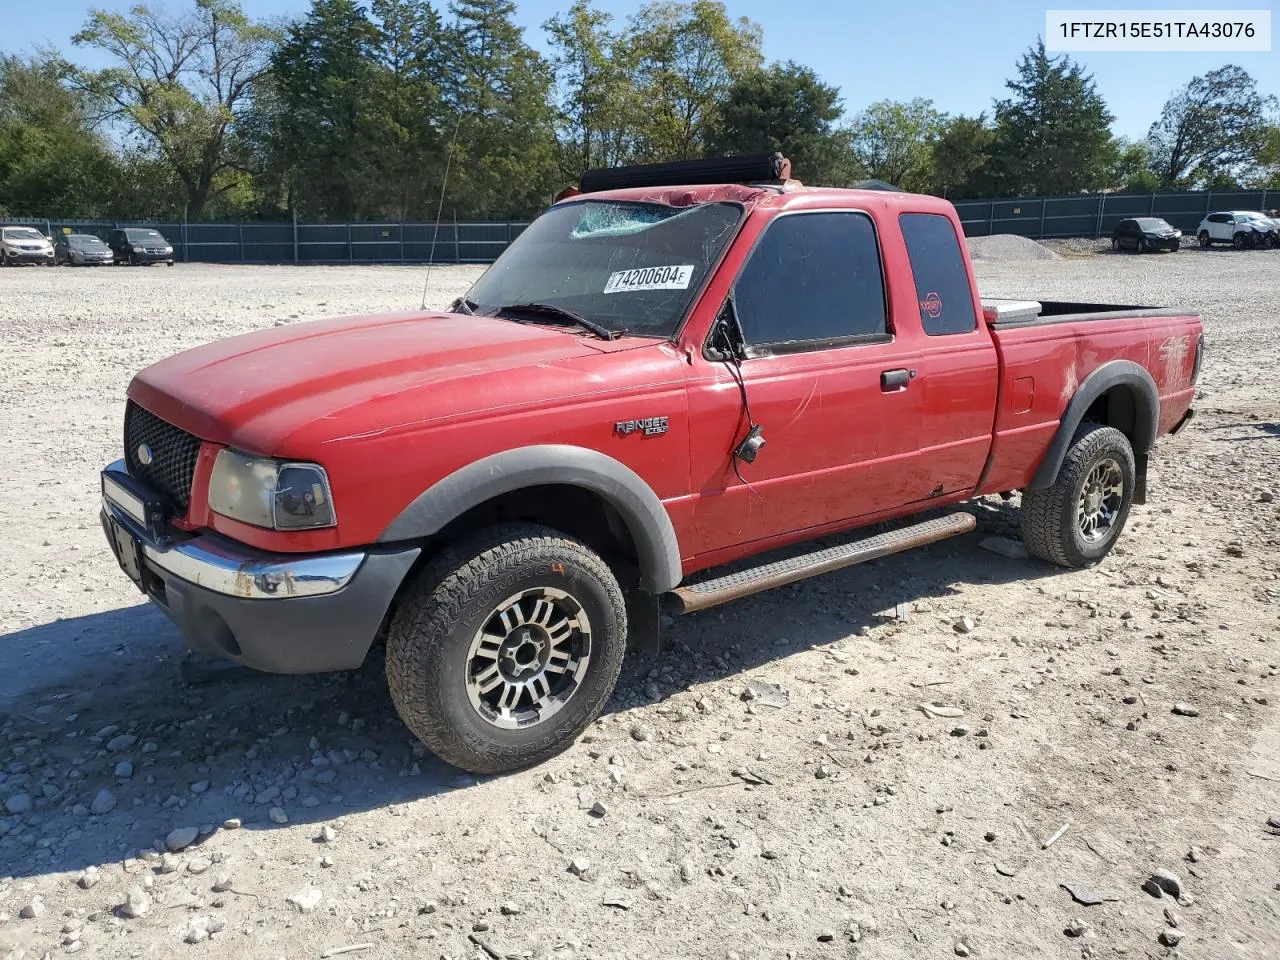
(1008, 248)
(955, 751)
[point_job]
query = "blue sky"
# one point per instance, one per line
(956, 52)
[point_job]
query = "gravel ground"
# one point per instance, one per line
(771, 786)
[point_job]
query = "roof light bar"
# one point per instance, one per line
(740, 169)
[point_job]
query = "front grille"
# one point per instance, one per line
(173, 456)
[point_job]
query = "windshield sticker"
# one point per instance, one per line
(650, 278)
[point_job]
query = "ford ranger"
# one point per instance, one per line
(675, 368)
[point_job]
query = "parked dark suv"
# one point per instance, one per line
(139, 245)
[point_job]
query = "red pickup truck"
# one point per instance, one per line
(661, 376)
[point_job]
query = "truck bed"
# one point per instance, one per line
(1048, 348)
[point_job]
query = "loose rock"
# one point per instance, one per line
(1168, 882)
(104, 802)
(305, 900)
(181, 838)
(1185, 710)
(137, 904)
(1076, 927)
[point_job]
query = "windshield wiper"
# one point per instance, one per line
(551, 310)
(463, 305)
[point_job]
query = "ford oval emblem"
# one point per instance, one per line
(145, 456)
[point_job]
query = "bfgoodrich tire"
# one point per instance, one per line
(506, 646)
(1076, 521)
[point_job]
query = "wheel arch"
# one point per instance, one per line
(549, 467)
(1120, 394)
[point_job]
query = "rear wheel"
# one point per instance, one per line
(1077, 520)
(1142, 245)
(506, 646)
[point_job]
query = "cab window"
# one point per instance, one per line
(942, 281)
(814, 280)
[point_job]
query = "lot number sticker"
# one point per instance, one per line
(650, 278)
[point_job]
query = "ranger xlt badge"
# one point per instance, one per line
(652, 426)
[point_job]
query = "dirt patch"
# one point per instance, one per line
(833, 817)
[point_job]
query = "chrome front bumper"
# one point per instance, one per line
(283, 613)
(219, 564)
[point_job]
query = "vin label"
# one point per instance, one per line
(650, 278)
(1140, 31)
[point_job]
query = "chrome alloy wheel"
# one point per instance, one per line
(1101, 497)
(528, 658)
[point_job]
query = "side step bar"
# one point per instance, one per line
(733, 586)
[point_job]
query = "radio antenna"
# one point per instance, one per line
(444, 185)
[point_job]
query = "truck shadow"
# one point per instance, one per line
(112, 749)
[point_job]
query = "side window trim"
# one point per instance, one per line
(760, 351)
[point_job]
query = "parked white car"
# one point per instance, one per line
(1242, 229)
(24, 245)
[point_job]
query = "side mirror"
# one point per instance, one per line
(727, 341)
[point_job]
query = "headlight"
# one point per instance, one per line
(270, 493)
(168, 249)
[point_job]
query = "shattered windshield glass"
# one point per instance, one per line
(630, 267)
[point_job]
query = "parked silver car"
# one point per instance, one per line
(81, 250)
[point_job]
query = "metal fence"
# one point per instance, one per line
(1095, 215)
(1083, 215)
(261, 242)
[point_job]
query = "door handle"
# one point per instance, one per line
(891, 380)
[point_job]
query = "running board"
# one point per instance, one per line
(733, 586)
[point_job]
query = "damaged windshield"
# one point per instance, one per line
(629, 267)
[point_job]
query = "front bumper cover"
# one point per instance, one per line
(282, 613)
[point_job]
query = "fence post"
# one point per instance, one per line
(1102, 206)
(351, 251)
(1044, 202)
(1153, 205)
(295, 236)
(457, 243)
(401, 229)
(240, 236)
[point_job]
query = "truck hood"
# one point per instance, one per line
(286, 390)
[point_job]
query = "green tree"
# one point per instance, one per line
(1215, 126)
(1133, 173)
(51, 161)
(1268, 175)
(411, 53)
(498, 91)
(1053, 136)
(687, 57)
(961, 157)
(893, 141)
(179, 83)
(787, 108)
(326, 127)
(595, 100)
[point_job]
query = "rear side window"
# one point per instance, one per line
(1219, 218)
(812, 279)
(942, 283)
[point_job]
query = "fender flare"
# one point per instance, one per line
(1146, 415)
(646, 519)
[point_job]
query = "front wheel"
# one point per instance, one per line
(1204, 240)
(506, 646)
(1142, 245)
(1076, 521)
